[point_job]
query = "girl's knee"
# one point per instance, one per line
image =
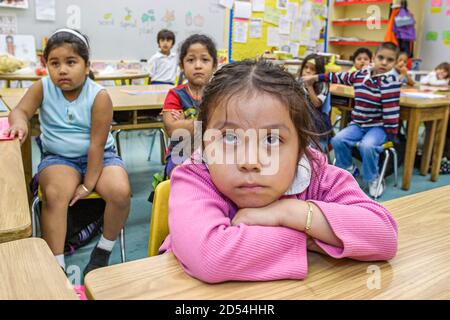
(54, 195)
(119, 196)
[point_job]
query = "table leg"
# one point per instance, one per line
(428, 143)
(411, 147)
(27, 164)
(439, 144)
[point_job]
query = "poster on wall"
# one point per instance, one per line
(21, 4)
(46, 10)
(8, 24)
(21, 46)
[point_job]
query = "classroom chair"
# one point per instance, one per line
(159, 226)
(158, 128)
(163, 143)
(35, 213)
(388, 149)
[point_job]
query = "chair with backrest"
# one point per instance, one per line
(35, 209)
(388, 149)
(159, 226)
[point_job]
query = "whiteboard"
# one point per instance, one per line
(434, 52)
(119, 29)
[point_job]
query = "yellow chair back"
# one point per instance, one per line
(159, 227)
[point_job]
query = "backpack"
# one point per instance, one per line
(404, 25)
(84, 220)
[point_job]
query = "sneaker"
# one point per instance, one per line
(353, 170)
(445, 166)
(99, 259)
(373, 188)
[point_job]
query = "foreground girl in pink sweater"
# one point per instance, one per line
(258, 197)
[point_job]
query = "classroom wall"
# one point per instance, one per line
(121, 29)
(436, 51)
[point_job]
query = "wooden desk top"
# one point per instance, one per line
(121, 75)
(348, 92)
(20, 77)
(421, 269)
(4, 113)
(123, 101)
(15, 218)
(29, 271)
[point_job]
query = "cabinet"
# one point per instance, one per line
(348, 28)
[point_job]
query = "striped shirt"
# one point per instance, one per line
(376, 98)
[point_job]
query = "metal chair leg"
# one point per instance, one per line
(383, 172)
(122, 245)
(394, 156)
(163, 145)
(119, 149)
(152, 143)
(34, 212)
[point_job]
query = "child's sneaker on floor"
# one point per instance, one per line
(373, 188)
(445, 166)
(99, 259)
(353, 169)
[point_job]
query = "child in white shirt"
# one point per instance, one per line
(163, 64)
(439, 77)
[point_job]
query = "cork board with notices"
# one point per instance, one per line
(295, 26)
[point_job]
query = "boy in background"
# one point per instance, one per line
(375, 116)
(163, 64)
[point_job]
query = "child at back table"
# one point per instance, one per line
(439, 77)
(79, 155)
(316, 95)
(163, 64)
(198, 60)
(245, 208)
(401, 70)
(361, 58)
(375, 116)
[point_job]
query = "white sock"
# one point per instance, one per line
(106, 244)
(60, 260)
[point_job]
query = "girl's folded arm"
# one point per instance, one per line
(210, 249)
(366, 229)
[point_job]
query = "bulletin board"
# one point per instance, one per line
(300, 40)
(435, 44)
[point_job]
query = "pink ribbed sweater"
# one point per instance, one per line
(210, 249)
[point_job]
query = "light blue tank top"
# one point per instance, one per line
(66, 125)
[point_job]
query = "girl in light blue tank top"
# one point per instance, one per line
(79, 154)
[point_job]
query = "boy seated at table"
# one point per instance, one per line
(375, 116)
(163, 64)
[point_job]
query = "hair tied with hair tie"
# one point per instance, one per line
(78, 35)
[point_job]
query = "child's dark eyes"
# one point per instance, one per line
(272, 140)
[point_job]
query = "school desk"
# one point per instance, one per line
(4, 113)
(124, 76)
(9, 77)
(420, 270)
(29, 271)
(15, 218)
(434, 112)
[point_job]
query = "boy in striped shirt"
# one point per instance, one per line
(374, 117)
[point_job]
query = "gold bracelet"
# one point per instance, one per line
(309, 216)
(84, 187)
